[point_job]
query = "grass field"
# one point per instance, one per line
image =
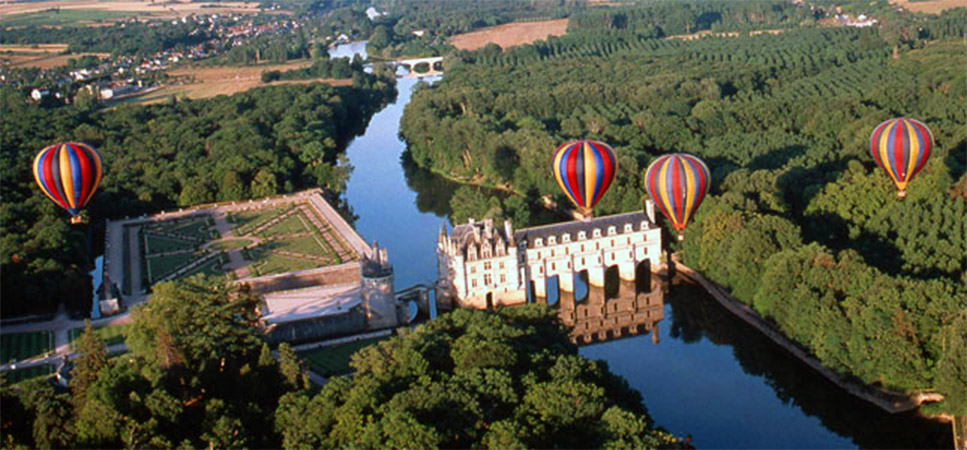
(159, 9)
(41, 60)
(63, 17)
(16, 376)
(231, 244)
(510, 34)
(246, 221)
(334, 360)
(210, 268)
(162, 266)
(193, 229)
(111, 335)
(206, 82)
(162, 244)
(267, 263)
(306, 245)
(20, 346)
(295, 223)
(930, 6)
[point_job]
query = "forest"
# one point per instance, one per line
(253, 144)
(800, 223)
(198, 374)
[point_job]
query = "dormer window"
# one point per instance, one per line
(628, 228)
(596, 233)
(552, 240)
(612, 230)
(582, 235)
(538, 242)
(644, 225)
(566, 238)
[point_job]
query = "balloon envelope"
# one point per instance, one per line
(677, 183)
(68, 173)
(901, 148)
(585, 170)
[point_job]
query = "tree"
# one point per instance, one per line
(87, 367)
(472, 379)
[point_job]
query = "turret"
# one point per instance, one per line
(379, 300)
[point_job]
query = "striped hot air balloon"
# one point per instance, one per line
(677, 183)
(68, 173)
(901, 148)
(584, 170)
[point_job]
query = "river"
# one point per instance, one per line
(710, 375)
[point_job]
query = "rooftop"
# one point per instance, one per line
(530, 235)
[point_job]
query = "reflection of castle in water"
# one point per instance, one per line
(602, 315)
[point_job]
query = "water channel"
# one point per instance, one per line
(710, 375)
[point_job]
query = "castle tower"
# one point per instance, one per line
(379, 300)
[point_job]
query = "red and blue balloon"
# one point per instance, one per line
(68, 173)
(584, 170)
(677, 183)
(901, 148)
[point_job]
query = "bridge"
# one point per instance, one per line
(435, 64)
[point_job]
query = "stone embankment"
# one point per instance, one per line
(890, 401)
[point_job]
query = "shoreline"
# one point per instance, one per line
(888, 400)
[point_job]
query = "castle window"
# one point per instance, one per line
(566, 238)
(487, 265)
(628, 228)
(540, 270)
(501, 264)
(538, 242)
(612, 242)
(553, 266)
(473, 269)
(582, 235)
(473, 282)
(596, 233)
(552, 253)
(538, 255)
(629, 241)
(582, 247)
(597, 246)
(644, 225)
(503, 278)
(612, 230)
(582, 261)
(552, 240)
(487, 279)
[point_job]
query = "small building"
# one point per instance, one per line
(38, 94)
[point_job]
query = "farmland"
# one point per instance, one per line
(159, 10)
(40, 56)
(930, 6)
(511, 34)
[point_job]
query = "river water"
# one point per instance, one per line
(710, 375)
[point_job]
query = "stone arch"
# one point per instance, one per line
(643, 276)
(612, 282)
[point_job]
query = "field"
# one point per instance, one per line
(64, 17)
(292, 224)
(206, 82)
(158, 10)
(20, 346)
(510, 34)
(41, 56)
(162, 266)
(334, 360)
(111, 335)
(268, 263)
(930, 6)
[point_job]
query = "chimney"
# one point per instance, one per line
(509, 232)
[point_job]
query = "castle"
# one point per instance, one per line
(483, 266)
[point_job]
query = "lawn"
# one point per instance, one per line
(162, 266)
(210, 268)
(306, 245)
(16, 376)
(193, 228)
(162, 244)
(62, 17)
(246, 221)
(21, 346)
(267, 263)
(231, 244)
(334, 360)
(111, 335)
(293, 224)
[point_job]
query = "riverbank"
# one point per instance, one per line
(888, 400)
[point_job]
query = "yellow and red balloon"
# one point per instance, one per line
(677, 183)
(68, 173)
(584, 170)
(901, 148)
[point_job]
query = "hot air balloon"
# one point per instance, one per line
(901, 148)
(584, 170)
(68, 173)
(677, 183)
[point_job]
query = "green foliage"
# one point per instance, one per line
(87, 367)
(472, 379)
(269, 140)
(952, 368)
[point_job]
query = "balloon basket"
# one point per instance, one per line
(901, 195)
(76, 220)
(681, 237)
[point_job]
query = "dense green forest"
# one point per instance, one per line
(473, 379)
(800, 223)
(132, 38)
(257, 143)
(199, 375)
